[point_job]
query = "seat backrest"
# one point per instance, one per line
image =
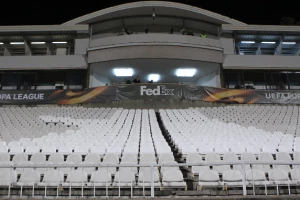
(56, 158)
(8, 175)
(232, 176)
(16, 149)
(20, 158)
(32, 149)
(193, 158)
(101, 176)
(248, 157)
(77, 176)
(145, 176)
(30, 176)
(125, 176)
(283, 156)
(65, 149)
(3, 149)
(212, 157)
(75, 158)
(38, 158)
(111, 159)
(92, 158)
(295, 174)
(4, 157)
(278, 175)
(230, 157)
(173, 176)
(209, 176)
(53, 176)
(163, 158)
(48, 149)
(148, 159)
(265, 157)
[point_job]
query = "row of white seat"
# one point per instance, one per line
(193, 132)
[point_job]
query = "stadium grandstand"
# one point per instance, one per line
(150, 99)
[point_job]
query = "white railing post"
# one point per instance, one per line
(244, 179)
(152, 181)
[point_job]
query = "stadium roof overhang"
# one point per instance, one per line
(161, 8)
(264, 39)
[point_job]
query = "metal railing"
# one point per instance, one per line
(152, 166)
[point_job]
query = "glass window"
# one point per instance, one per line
(233, 80)
(294, 81)
(254, 80)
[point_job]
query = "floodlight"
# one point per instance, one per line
(185, 72)
(154, 77)
(247, 42)
(17, 43)
(38, 42)
(288, 42)
(268, 42)
(123, 71)
(59, 42)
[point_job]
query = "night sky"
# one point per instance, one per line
(54, 12)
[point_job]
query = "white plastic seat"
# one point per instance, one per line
(279, 177)
(148, 159)
(245, 157)
(100, 178)
(56, 158)
(3, 149)
(209, 178)
(20, 158)
(83, 150)
(74, 158)
(283, 156)
(196, 158)
(111, 159)
(173, 179)
(38, 158)
(165, 158)
(20, 170)
(295, 176)
(52, 178)
(75, 178)
(4, 157)
(264, 157)
(98, 150)
(32, 150)
(144, 179)
(7, 178)
(16, 149)
(124, 178)
(65, 150)
(92, 158)
(48, 149)
(28, 178)
(233, 178)
(256, 177)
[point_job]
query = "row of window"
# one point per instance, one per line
(265, 80)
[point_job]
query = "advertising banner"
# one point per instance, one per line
(150, 92)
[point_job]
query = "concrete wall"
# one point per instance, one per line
(155, 38)
(81, 46)
(261, 62)
(227, 45)
(42, 62)
(154, 52)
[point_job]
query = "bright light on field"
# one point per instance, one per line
(123, 71)
(185, 72)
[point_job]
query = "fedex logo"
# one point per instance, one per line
(159, 90)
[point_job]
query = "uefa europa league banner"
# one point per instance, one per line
(150, 92)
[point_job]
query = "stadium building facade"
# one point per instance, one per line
(161, 41)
